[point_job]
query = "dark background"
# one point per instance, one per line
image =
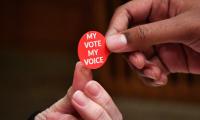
(38, 54)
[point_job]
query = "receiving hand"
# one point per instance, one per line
(85, 100)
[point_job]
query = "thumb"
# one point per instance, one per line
(143, 36)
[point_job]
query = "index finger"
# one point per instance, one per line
(134, 11)
(81, 76)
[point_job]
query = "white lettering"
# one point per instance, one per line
(91, 61)
(93, 52)
(91, 36)
(93, 44)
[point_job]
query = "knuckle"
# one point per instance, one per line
(141, 32)
(100, 114)
(108, 101)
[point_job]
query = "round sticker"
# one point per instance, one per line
(92, 50)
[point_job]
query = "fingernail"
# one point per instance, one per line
(163, 80)
(80, 98)
(116, 42)
(135, 60)
(83, 69)
(93, 89)
(150, 74)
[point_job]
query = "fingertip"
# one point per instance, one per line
(80, 65)
(79, 99)
(93, 88)
(81, 69)
(163, 79)
(153, 72)
(148, 73)
(138, 60)
(155, 77)
(116, 43)
(81, 76)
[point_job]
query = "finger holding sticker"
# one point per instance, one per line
(92, 50)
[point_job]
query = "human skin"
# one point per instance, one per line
(158, 36)
(163, 39)
(86, 99)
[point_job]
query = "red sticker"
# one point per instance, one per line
(92, 50)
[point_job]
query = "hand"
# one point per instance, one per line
(164, 37)
(86, 99)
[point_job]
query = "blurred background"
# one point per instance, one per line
(38, 49)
